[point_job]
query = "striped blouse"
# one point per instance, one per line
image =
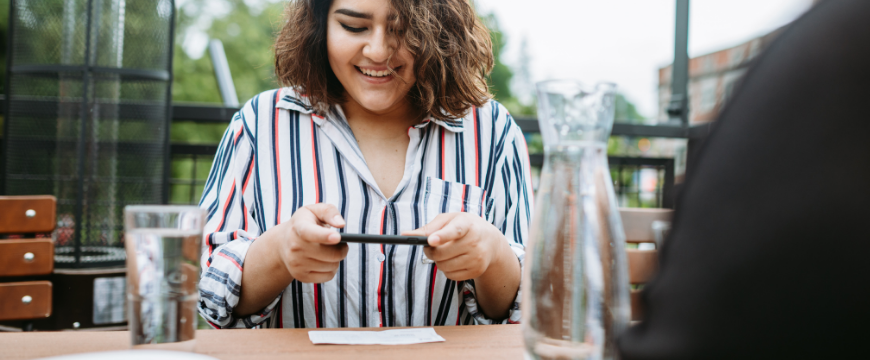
(277, 156)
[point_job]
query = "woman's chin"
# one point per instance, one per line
(378, 106)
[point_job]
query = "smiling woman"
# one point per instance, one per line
(385, 127)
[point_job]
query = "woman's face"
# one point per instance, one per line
(362, 48)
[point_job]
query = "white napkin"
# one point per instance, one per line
(386, 337)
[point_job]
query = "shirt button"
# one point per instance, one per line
(381, 257)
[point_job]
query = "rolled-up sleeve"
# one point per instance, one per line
(230, 230)
(512, 206)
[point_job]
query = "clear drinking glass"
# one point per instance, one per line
(163, 249)
(575, 286)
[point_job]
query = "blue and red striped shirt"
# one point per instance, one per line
(277, 155)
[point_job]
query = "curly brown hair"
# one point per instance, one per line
(452, 53)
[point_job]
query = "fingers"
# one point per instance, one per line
(329, 253)
(460, 275)
(309, 223)
(462, 246)
(462, 262)
(444, 252)
(313, 233)
(327, 214)
(315, 277)
(437, 223)
(454, 230)
(460, 268)
(321, 266)
(320, 263)
(303, 251)
(312, 248)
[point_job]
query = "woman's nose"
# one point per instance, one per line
(380, 47)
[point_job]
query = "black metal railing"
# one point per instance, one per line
(191, 160)
(628, 174)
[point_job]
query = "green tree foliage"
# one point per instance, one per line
(247, 35)
(626, 112)
(500, 78)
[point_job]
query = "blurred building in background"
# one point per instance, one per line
(712, 78)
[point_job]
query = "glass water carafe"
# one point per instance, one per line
(575, 285)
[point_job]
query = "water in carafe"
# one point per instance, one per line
(575, 282)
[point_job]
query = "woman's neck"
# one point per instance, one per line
(379, 125)
(383, 139)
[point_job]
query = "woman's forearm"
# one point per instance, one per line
(263, 277)
(497, 287)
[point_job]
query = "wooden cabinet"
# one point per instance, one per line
(31, 259)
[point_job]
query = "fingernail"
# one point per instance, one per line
(338, 220)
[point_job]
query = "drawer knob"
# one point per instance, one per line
(26, 299)
(28, 257)
(30, 213)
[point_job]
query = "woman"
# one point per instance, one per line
(385, 127)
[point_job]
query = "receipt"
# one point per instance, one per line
(386, 337)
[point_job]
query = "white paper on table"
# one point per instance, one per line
(386, 337)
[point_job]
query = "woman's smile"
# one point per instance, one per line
(381, 75)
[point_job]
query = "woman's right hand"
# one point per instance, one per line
(301, 248)
(309, 249)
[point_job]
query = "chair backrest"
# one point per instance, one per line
(26, 215)
(642, 264)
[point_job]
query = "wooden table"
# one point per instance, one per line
(474, 342)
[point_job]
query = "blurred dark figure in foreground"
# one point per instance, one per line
(770, 248)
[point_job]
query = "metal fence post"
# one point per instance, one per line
(222, 73)
(678, 109)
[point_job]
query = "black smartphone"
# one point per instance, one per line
(384, 239)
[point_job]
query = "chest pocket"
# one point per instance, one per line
(447, 196)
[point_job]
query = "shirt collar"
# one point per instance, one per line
(291, 100)
(452, 125)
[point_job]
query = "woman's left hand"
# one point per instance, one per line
(463, 245)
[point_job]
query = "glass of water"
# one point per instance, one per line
(163, 249)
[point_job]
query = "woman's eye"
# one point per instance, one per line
(353, 29)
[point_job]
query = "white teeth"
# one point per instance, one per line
(373, 73)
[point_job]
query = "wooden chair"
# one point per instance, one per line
(642, 264)
(23, 293)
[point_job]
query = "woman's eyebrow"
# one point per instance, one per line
(360, 15)
(355, 14)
